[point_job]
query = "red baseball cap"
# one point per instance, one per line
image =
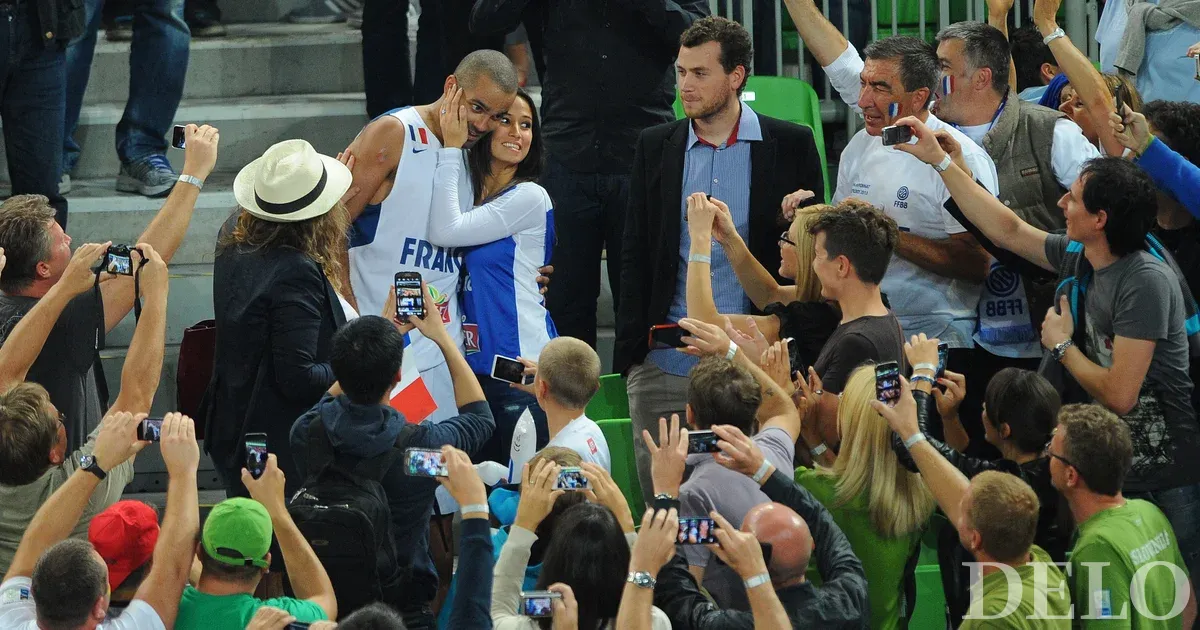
(124, 535)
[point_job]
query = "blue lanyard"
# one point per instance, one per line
(995, 117)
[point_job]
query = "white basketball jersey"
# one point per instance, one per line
(392, 236)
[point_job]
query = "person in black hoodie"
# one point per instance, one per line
(1020, 409)
(359, 422)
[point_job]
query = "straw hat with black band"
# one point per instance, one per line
(291, 182)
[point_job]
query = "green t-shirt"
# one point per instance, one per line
(1050, 588)
(201, 611)
(1125, 538)
(883, 559)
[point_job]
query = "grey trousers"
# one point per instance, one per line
(653, 394)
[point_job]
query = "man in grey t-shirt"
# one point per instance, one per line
(725, 392)
(1134, 358)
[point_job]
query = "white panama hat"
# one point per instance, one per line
(291, 182)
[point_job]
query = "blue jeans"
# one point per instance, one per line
(158, 60)
(31, 105)
(507, 405)
(1182, 507)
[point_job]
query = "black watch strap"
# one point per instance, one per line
(94, 468)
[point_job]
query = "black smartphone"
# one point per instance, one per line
(1122, 98)
(297, 625)
(896, 134)
(537, 603)
(119, 260)
(697, 531)
(571, 478)
(702, 442)
(668, 335)
(256, 454)
(510, 370)
(424, 462)
(1198, 67)
(943, 354)
(150, 430)
(179, 141)
(887, 383)
(409, 300)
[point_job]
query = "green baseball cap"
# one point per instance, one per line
(238, 532)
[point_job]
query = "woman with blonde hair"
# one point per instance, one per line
(275, 303)
(796, 310)
(880, 506)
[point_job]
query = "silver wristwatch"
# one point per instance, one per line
(1060, 350)
(641, 579)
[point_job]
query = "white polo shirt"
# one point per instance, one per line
(584, 436)
(913, 194)
(19, 612)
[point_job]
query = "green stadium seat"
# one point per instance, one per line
(611, 401)
(618, 432)
(787, 99)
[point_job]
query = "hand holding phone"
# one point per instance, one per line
(896, 134)
(256, 454)
(943, 355)
(702, 442)
(510, 370)
(887, 383)
(667, 336)
(571, 478)
(424, 462)
(179, 137)
(697, 531)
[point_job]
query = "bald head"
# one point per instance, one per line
(571, 370)
(791, 542)
(487, 63)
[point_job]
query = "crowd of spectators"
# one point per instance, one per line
(984, 333)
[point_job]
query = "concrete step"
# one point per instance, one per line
(248, 126)
(253, 60)
(257, 10)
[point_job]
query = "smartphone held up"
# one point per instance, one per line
(410, 301)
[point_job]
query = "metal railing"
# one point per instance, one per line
(1079, 21)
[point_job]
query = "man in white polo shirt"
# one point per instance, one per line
(933, 282)
(567, 376)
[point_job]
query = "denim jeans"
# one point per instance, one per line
(1182, 507)
(589, 216)
(158, 60)
(507, 405)
(31, 82)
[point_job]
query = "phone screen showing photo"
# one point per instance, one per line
(887, 383)
(409, 300)
(697, 531)
(150, 430)
(943, 355)
(256, 457)
(538, 603)
(702, 442)
(421, 462)
(571, 479)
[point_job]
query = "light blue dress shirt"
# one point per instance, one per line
(1166, 73)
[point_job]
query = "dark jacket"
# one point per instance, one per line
(840, 601)
(61, 20)
(784, 161)
(276, 314)
(364, 431)
(1053, 533)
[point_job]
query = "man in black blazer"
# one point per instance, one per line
(723, 149)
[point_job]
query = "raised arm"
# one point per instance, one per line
(1085, 79)
(167, 229)
(143, 362)
(1170, 171)
(946, 482)
(24, 343)
(116, 443)
(998, 17)
(305, 571)
(829, 47)
(466, 387)
(173, 555)
(981, 207)
(959, 256)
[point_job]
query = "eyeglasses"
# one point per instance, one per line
(1060, 458)
(784, 239)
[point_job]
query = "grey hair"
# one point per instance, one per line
(919, 66)
(985, 47)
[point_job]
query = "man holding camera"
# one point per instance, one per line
(35, 456)
(358, 423)
(39, 252)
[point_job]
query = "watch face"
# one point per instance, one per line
(85, 461)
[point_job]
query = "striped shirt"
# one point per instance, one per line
(724, 173)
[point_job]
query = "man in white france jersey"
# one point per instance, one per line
(395, 156)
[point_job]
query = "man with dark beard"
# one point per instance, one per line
(724, 150)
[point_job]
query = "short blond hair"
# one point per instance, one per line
(1004, 510)
(572, 370)
(27, 433)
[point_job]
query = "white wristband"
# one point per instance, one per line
(925, 366)
(913, 440)
(195, 181)
(944, 164)
(475, 508)
(758, 580)
(732, 351)
(700, 258)
(1058, 32)
(762, 472)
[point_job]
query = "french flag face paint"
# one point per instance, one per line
(893, 110)
(947, 85)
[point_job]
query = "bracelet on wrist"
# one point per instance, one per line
(761, 474)
(922, 377)
(913, 440)
(931, 367)
(732, 351)
(700, 258)
(757, 580)
(475, 508)
(818, 450)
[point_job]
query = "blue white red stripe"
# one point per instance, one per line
(894, 110)
(947, 84)
(418, 134)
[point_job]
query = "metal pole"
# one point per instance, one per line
(712, 7)
(874, 20)
(943, 14)
(895, 17)
(779, 40)
(921, 18)
(748, 23)
(1093, 22)
(1076, 22)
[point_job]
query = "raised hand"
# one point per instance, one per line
(153, 277)
(655, 544)
(956, 391)
(776, 362)
(752, 342)
(704, 338)
(117, 441)
(700, 216)
(537, 494)
(903, 417)
(80, 274)
(462, 482)
(921, 349)
(564, 610)
(927, 149)
(738, 549)
(180, 452)
(200, 156)
(453, 118)
(669, 457)
(739, 453)
(792, 201)
(268, 489)
(604, 491)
